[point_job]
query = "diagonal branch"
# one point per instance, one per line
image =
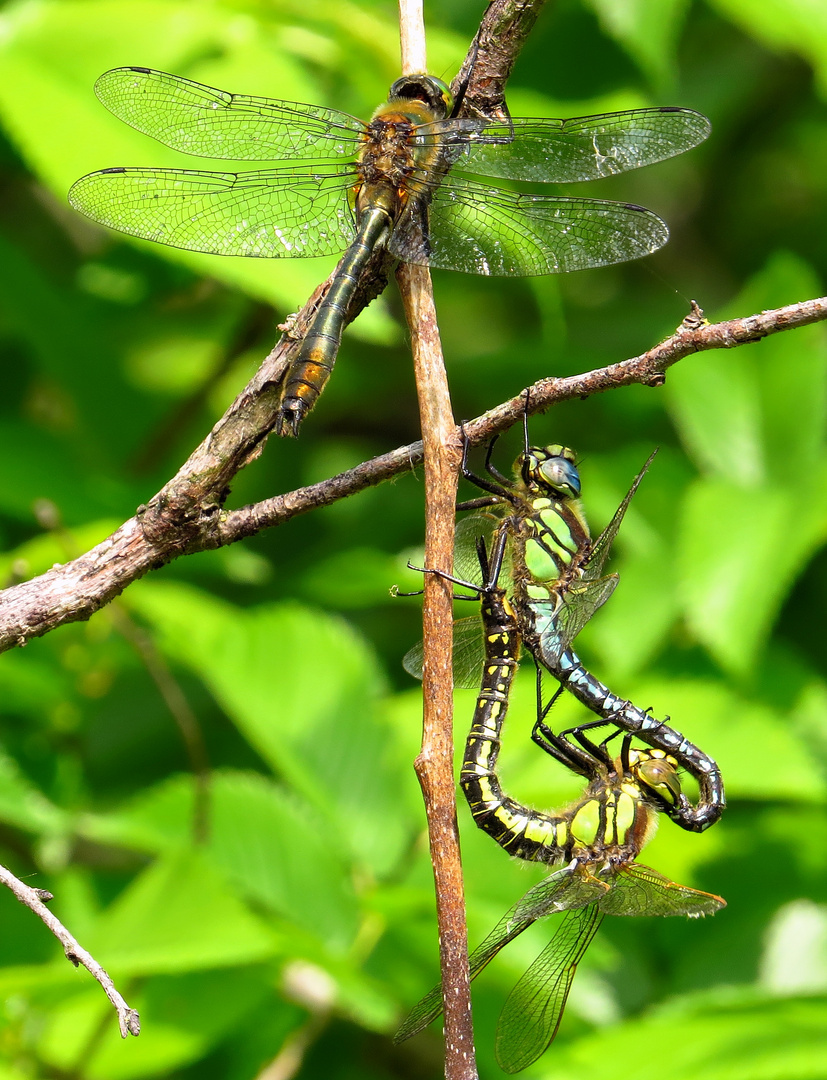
(186, 516)
(34, 899)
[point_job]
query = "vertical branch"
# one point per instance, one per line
(434, 765)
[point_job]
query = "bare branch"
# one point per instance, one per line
(34, 899)
(435, 762)
(191, 503)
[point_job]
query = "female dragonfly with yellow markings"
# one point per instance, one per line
(397, 182)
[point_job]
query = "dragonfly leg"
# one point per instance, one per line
(477, 590)
(490, 467)
(501, 490)
(556, 746)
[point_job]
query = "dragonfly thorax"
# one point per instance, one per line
(393, 160)
(612, 826)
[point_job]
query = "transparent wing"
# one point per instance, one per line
(602, 545)
(639, 890)
(566, 889)
(482, 229)
(469, 648)
(549, 897)
(469, 654)
(533, 1010)
(283, 213)
(558, 623)
(466, 559)
(198, 119)
(564, 151)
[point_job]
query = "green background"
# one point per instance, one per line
(305, 919)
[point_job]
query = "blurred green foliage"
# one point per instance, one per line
(304, 918)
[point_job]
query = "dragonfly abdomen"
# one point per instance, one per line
(595, 695)
(309, 372)
(522, 832)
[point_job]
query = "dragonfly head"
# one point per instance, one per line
(658, 772)
(552, 470)
(433, 92)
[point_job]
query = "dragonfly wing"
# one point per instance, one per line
(198, 119)
(567, 888)
(269, 214)
(578, 605)
(602, 545)
(466, 559)
(482, 229)
(640, 890)
(469, 654)
(510, 926)
(533, 1010)
(583, 148)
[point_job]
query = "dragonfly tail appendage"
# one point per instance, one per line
(595, 695)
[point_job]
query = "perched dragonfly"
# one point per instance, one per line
(396, 182)
(554, 584)
(598, 837)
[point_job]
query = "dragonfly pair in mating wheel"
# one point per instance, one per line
(555, 584)
(396, 183)
(600, 836)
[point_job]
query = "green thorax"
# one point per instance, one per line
(552, 538)
(617, 816)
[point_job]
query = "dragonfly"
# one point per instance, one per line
(598, 838)
(531, 834)
(556, 585)
(403, 182)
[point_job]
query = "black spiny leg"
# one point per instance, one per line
(573, 757)
(499, 491)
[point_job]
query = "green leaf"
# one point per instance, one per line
(179, 915)
(756, 415)
(279, 855)
(22, 805)
(303, 690)
(719, 1036)
(182, 1017)
(73, 1025)
(798, 26)
(740, 551)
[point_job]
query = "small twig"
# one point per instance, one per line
(34, 899)
(76, 590)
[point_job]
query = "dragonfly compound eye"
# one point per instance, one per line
(660, 775)
(433, 92)
(558, 472)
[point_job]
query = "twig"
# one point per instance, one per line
(76, 590)
(128, 1019)
(435, 763)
